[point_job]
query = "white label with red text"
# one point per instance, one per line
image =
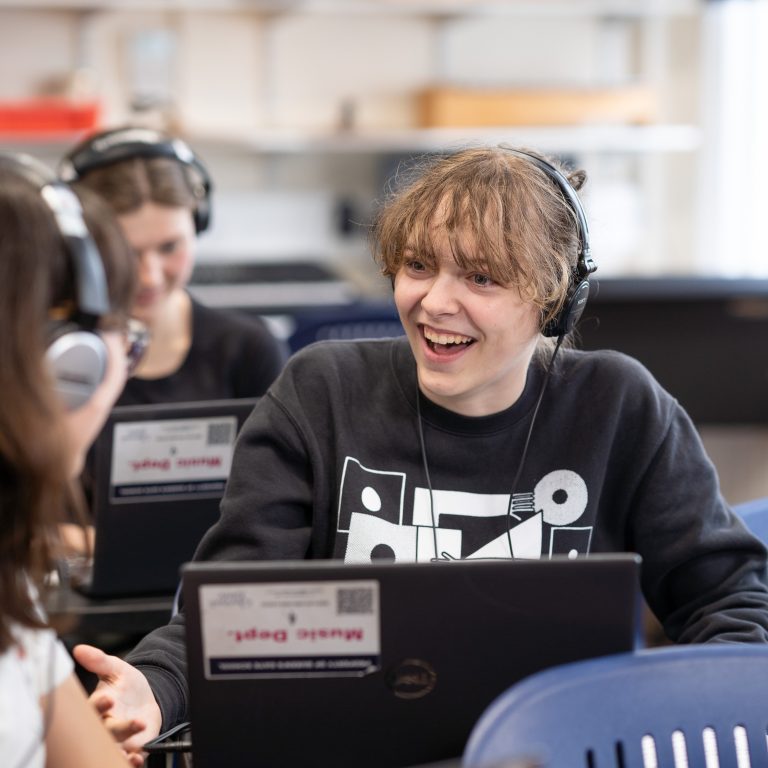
(176, 458)
(290, 629)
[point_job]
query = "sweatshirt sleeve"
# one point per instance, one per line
(161, 658)
(704, 574)
(266, 512)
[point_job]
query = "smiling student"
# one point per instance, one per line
(162, 194)
(480, 435)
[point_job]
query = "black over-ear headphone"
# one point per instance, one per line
(76, 353)
(113, 146)
(578, 290)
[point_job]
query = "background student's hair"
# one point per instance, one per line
(37, 291)
(162, 169)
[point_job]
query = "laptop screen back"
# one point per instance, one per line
(159, 472)
(322, 663)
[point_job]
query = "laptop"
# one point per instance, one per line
(159, 473)
(383, 664)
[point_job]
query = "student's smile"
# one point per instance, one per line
(445, 345)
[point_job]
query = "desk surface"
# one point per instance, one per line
(91, 617)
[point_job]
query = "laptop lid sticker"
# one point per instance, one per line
(175, 458)
(291, 629)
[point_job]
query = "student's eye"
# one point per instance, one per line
(414, 265)
(481, 280)
(169, 246)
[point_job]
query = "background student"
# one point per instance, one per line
(161, 193)
(360, 448)
(62, 364)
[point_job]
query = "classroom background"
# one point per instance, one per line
(303, 111)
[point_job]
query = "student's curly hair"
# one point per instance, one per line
(524, 232)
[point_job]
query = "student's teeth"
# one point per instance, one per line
(441, 338)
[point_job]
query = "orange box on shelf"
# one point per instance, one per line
(47, 116)
(478, 107)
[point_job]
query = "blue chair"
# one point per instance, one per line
(673, 706)
(755, 515)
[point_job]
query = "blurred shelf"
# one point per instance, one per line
(436, 8)
(581, 138)
(554, 139)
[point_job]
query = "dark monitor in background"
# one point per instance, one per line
(704, 339)
(159, 473)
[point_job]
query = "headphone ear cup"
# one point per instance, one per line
(78, 362)
(573, 306)
(202, 215)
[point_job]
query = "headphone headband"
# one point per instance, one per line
(578, 291)
(114, 146)
(585, 265)
(91, 293)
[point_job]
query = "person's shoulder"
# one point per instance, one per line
(612, 376)
(343, 372)
(343, 357)
(40, 648)
(607, 363)
(234, 333)
(228, 318)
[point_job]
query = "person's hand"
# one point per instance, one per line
(76, 539)
(124, 700)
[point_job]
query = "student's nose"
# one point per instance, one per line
(442, 295)
(150, 270)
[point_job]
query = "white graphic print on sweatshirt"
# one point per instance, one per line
(544, 521)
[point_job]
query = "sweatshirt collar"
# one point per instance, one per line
(436, 416)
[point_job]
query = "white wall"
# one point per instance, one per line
(254, 90)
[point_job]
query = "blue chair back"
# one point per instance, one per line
(755, 515)
(674, 706)
(356, 321)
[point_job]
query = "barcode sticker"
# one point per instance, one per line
(354, 600)
(220, 432)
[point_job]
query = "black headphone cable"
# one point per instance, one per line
(422, 445)
(520, 466)
(426, 473)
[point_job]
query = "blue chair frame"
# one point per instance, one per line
(634, 710)
(356, 321)
(755, 515)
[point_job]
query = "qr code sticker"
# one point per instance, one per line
(220, 433)
(357, 600)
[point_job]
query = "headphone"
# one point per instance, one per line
(76, 354)
(120, 144)
(578, 290)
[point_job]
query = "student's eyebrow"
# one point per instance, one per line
(412, 250)
(474, 262)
